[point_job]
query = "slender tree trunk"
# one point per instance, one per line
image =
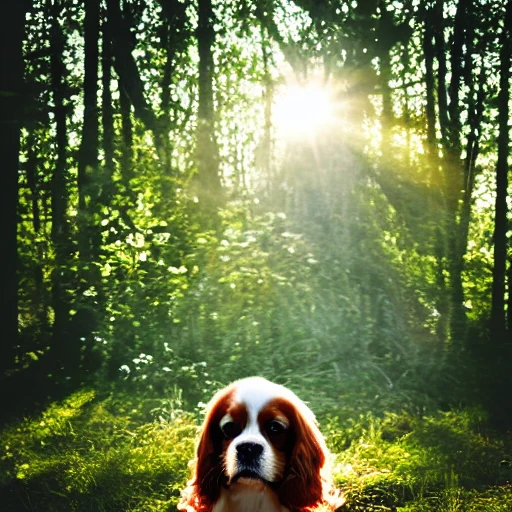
(127, 172)
(107, 115)
(59, 189)
(12, 23)
(457, 188)
(498, 315)
(435, 21)
(440, 52)
(166, 87)
(127, 137)
(89, 182)
(208, 179)
(40, 302)
(428, 52)
(475, 114)
(437, 205)
(88, 157)
(123, 43)
(509, 293)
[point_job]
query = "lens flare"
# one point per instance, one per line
(303, 111)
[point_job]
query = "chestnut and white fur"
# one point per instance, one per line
(260, 451)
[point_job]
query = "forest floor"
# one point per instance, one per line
(120, 453)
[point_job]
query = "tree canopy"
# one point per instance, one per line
(313, 191)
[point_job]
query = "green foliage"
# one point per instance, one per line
(328, 265)
(435, 463)
(125, 452)
(89, 454)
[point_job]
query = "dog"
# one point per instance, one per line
(260, 451)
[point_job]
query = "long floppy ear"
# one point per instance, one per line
(302, 488)
(307, 485)
(203, 489)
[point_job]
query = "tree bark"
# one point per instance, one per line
(107, 114)
(127, 138)
(498, 315)
(59, 189)
(88, 156)
(509, 290)
(435, 178)
(12, 24)
(428, 52)
(84, 322)
(123, 43)
(458, 175)
(208, 179)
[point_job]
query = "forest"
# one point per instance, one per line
(314, 191)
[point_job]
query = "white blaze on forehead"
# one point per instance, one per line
(256, 392)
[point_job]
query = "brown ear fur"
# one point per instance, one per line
(307, 485)
(203, 489)
(302, 488)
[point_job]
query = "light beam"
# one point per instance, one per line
(303, 110)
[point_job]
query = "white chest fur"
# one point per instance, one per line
(248, 496)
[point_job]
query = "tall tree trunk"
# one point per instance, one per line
(59, 189)
(127, 139)
(88, 156)
(458, 189)
(107, 113)
(40, 302)
(12, 24)
(428, 52)
(208, 179)
(509, 293)
(130, 81)
(498, 315)
(166, 85)
(437, 205)
(89, 239)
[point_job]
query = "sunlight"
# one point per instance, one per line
(303, 110)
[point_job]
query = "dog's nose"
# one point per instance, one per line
(248, 452)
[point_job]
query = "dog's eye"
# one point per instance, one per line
(275, 427)
(231, 429)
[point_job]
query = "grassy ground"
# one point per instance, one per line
(87, 453)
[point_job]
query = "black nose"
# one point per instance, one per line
(248, 452)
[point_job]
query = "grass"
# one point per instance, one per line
(100, 455)
(121, 453)
(446, 462)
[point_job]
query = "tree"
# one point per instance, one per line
(60, 229)
(208, 178)
(501, 223)
(11, 114)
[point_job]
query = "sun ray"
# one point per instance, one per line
(303, 110)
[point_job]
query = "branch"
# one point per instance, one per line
(126, 68)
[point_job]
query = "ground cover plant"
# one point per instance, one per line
(113, 453)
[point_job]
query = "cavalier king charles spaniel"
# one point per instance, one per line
(260, 451)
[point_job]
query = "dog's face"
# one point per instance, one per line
(259, 437)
